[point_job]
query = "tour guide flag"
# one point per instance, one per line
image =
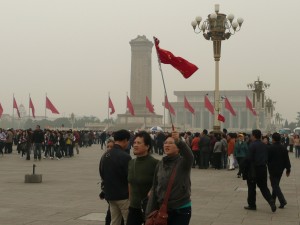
(183, 66)
(111, 106)
(130, 106)
(31, 106)
(169, 106)
(208, 105)
(229, 107)
(15, 106)
(221, 118)
(249, 106)
(1, 110)
(188, 106)
(149, 105)
(50, 106)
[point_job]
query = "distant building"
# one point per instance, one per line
(203, 119)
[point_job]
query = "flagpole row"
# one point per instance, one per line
(163, 80)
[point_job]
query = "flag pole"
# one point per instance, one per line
(108, 111)
(46, 107)
(13, 119)
(29, 107)
(162, 76)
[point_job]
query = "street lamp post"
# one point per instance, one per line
(217, 27)
(269, 109)
(258, 88)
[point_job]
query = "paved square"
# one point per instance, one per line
(69, 192)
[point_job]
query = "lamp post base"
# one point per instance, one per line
(217, 129)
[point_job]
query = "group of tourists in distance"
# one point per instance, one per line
(135, 187)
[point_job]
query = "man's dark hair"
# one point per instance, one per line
(147, 138)
(121, 135)
(189, 133)
(256, 133)
(197, 134)
(276, 137)
(205, 131)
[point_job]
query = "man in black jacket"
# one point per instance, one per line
(278, 160)
(257, 172)
(38, 140)
(114, 171)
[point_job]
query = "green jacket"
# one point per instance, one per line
(240, 149)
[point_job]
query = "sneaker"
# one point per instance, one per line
(282, 205)
(44, 157)
(272, 205)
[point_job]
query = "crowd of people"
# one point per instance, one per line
(47, 143)
(136, 188)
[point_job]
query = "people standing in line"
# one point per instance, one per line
(69, 143)
(76, 139)
(114, 172)
(102, 138)
(240, 152)
(255, 172)
(38, 141)
(291, 143)
(297, 146)
(9, 141)
(2, 140)
(230, 150)
(278, 161)
(285, 141)
(160, 138)
(204, 148)
(217, 152)
(224, 150)
(195, 149)
(140, 176)
(180, 157)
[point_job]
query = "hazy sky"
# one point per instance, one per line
(78, 50)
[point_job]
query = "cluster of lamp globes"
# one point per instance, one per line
(228, 23)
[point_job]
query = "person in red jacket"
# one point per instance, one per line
(230, 149)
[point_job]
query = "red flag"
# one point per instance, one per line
(208, 105)
(15, 106)
(1, 110)
(111, 106)
(188, 106)
(183, 66)
(149, 105)
(221, 118)
(50, 106)
(249, 106)
(130, 106)
(169, 106)
(229, 107)
(31, 106)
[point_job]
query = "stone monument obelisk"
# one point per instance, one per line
(140, 85)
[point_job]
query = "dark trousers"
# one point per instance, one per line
(276, 192)
(8, 148)
(135, 216)
(37, 151)
(204, 157)
(261, 181)
(180, 216)
(196, 157)
(2, 144)
(240, 161)
(217, 160)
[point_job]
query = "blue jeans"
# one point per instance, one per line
(179, 216)
(37, 153)
(297, 151)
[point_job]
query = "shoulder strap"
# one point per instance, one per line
(170, 184)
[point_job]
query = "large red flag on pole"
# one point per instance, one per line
(31, 106)
(130, 106)
(15, 106)
(208, 105)
(228, 106)
(169, 106)
(250, 106)
(149, 105)
(1, 110)
(221, 118)
(188, 106)
(50, 106)
(183, 66)
(111, 106)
